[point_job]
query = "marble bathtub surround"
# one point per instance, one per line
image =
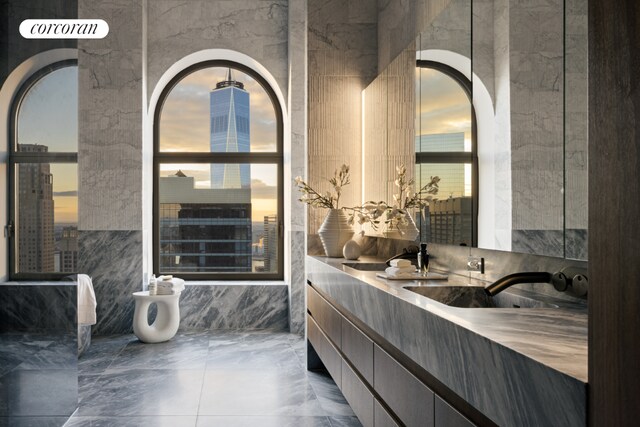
(38, 351)
(481, 354)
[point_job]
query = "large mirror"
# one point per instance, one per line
(499, 113)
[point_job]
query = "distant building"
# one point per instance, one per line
(230, 132)
(439, 142)
(35, 214)
(270, 242)
(68, 250)
(204, 230)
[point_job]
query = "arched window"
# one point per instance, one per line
(446, 147)
(43, 175)
(218, 175)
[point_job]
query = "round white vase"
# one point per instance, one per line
(334, 232)
(351, 250)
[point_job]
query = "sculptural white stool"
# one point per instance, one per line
(167, 319)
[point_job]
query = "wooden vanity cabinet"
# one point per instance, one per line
(381, 391)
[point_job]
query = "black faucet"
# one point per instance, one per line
(410, 253)
(513, 279)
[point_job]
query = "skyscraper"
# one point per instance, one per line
(35, 214)
(229, 109)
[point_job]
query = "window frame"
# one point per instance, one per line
(16, 158)
(458, 156)
(275, 157)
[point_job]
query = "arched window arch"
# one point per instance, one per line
(43, 174)
(446, 146)
(218, 175)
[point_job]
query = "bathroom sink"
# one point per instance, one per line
(366, 266)
(475, 297)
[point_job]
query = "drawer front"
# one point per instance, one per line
(358, 395)
(446, 416)
(404, 394)
(381, 417)
(327, 317)
(326, 351)
(358, 348)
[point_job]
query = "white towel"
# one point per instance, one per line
(400, 263)
(86, 301)
(170, 287)
(400, 273)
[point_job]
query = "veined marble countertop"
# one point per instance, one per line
(520, 366)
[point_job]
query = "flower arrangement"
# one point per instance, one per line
(329, 200)
(395, 215)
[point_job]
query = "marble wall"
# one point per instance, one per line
(296, 236)
(117, 77)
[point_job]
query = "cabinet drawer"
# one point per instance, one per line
(358, 348)
(404, 394)
(446, 416)
(381, 417)
(327, 317)
(326, 351)
(358, 395)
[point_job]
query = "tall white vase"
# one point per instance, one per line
(407, 231)
(334, 232)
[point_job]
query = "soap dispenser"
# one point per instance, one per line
(423, 260)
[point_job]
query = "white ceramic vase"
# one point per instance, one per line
(407, 231)
(334, 232)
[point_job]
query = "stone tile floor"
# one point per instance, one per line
(227, 379)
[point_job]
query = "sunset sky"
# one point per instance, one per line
(184, 126)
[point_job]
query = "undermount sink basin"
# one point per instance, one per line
(475, 297)
(366, 266)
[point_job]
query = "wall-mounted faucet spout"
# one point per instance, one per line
(513, 279)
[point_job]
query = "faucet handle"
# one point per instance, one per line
(560, 281)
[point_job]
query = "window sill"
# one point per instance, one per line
(235, 283)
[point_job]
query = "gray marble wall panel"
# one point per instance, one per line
(298, 159)
(113, 259)
(536, 73)
(576, 127)
(400, 21)
(257, 28)
(234, 306)
(110, 119)
(297, 298)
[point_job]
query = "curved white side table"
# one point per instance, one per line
(167, 320)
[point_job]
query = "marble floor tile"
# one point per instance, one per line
(143, 392)
(235, 379)
(261, 421)
(152, 421)
(345, 422)
(259, 392)
(51, 392)
(182, 352)
(47, 421)
(102, 351)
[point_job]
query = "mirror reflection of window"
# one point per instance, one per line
(445, 146)
(44, 175)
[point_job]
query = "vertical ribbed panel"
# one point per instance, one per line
(342, 61)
